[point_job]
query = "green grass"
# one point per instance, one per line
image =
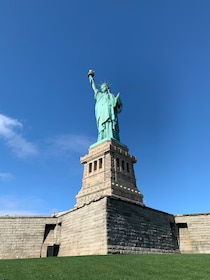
(122, 267)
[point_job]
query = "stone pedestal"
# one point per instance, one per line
(108, 172)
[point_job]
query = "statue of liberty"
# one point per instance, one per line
(107, 108)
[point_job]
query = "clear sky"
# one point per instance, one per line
(156, 53)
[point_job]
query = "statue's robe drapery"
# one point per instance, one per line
(106, 109)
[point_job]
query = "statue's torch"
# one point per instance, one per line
(91, 73)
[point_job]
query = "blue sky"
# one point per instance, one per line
(156, 53)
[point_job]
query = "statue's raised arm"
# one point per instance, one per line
(92, 82)
(107, 108)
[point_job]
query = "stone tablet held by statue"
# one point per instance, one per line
(107, 108)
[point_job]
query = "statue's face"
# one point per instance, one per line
(104, 88)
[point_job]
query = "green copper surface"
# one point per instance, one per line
(107, 108)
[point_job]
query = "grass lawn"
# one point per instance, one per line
(122, 267)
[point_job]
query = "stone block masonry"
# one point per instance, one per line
(112, 225)
(84, 230)
(109, 218)
(194, 233)
(106, 226)
(136, 229)
(108, 171)
(23, 237)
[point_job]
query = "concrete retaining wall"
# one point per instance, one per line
(136, 229)
(194, 233)
(23, 237)
(106, 226)
(84, 230)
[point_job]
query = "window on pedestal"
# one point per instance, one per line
(128, 168)
(90, 167)
(95, 165)
(123, 165)
(100, 162)
(118, 162)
